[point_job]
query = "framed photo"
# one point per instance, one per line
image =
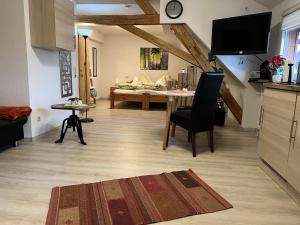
(154, 59)
(95, 69)
(65, 73)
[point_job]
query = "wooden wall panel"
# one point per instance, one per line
(83, 85)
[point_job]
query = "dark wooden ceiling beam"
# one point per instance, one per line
(160, 43)
(120, 19)
(146, 6)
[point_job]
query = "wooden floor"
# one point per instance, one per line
(124, 143)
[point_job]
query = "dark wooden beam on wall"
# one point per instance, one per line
(231, 103)
(121, 19)
(160, 43)
(146, 6)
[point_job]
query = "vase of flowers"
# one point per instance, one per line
(277, 68)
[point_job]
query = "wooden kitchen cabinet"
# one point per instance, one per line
(52, 24)
(293, 169)
(277, 119)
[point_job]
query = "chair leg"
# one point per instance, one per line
(189, 137)
(210, 137)
(194, 144)
(168, 134)
(173, 129)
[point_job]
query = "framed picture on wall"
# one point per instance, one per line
(95, 69)
(154, 59)
(65, 73)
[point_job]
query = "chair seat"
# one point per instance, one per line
(182, 118)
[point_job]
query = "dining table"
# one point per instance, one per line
(173, 96)
(73, 121)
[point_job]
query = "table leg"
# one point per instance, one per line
(63, 131)
(79, 130)
(146, 101)
(171, 106)
(71, 122)
(112, 98)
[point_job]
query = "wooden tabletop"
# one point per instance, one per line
(72, 107)
(287, 87)
(155, 92)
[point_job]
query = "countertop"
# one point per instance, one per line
(287, 87)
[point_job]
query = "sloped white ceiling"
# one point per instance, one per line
(269, 3)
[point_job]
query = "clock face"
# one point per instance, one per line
(174, 9)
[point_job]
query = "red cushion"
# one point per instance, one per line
(12, 113)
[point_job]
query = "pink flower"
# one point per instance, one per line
(277, 61)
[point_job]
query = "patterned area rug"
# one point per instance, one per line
(134, 201)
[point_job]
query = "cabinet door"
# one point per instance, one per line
(274, 141)
(293, 170)
(64, 24)
(42, 24)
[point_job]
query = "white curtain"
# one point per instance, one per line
(291, 21)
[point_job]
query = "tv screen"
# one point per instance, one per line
(243, 35)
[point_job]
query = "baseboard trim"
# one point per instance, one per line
(27, 139)
(282, 183)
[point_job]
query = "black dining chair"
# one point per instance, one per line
(200, 117)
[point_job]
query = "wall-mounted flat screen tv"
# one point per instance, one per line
(243, 35)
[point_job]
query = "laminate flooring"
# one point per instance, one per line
(126, 142)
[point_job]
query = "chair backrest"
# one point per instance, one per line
(205, 100)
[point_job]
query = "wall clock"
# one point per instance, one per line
(174, 9)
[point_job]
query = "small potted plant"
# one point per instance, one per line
(277, 68)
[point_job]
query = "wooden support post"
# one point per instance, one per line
(231, 103)
(185, 38)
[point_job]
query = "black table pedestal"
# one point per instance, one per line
(72, 122)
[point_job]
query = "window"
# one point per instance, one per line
(290, 48)
(297, 55)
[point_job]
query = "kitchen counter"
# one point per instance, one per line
(287, 87)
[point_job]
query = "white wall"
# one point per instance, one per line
(14, 90)
(120, 59)
(44, 84)
(13, 66)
